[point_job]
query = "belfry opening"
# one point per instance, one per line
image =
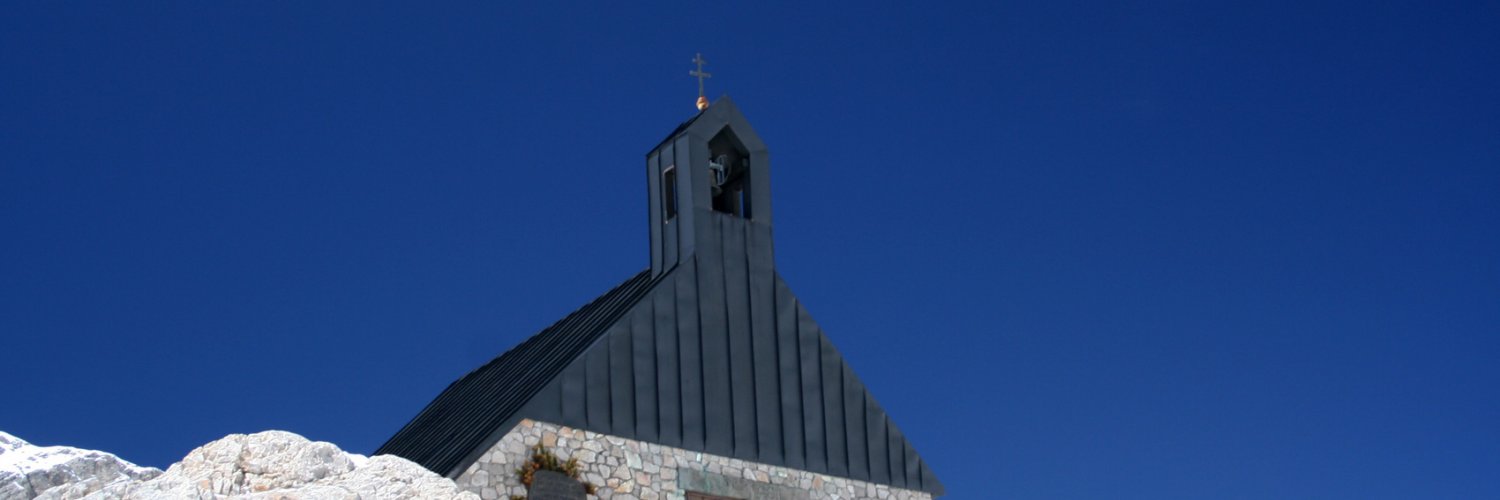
(729, 170)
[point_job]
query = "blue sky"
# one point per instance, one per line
(1077, 250)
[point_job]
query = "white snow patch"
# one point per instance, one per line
(271, 464)
(28, 471)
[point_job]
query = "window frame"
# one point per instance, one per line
(669, 207)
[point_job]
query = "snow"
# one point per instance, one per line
(270, 464)
(28, 458)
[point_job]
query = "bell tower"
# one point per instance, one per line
(707, 352)
(709, 187)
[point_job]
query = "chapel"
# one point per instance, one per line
(700, 377)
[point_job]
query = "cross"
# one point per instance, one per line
(699, 72)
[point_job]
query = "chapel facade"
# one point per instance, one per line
(701, 377)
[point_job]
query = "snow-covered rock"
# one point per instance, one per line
(265, 466)
(60, 472)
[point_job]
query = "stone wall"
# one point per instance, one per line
(622, 469)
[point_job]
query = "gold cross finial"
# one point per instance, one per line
(702, 99)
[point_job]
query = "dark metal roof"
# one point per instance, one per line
(473, 407)
(715, 355)
(721, 357)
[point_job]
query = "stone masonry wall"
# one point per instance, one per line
(622, 469)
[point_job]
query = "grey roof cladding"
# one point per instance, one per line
(708, 350)
(466, 413)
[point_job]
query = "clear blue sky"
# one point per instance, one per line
(1109, 250)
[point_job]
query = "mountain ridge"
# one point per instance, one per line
(262, 466)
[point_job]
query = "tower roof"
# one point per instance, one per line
(723, 111)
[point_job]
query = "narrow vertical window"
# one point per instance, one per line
(669, 193)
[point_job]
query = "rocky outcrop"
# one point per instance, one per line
(28, 471)
(267, 465)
